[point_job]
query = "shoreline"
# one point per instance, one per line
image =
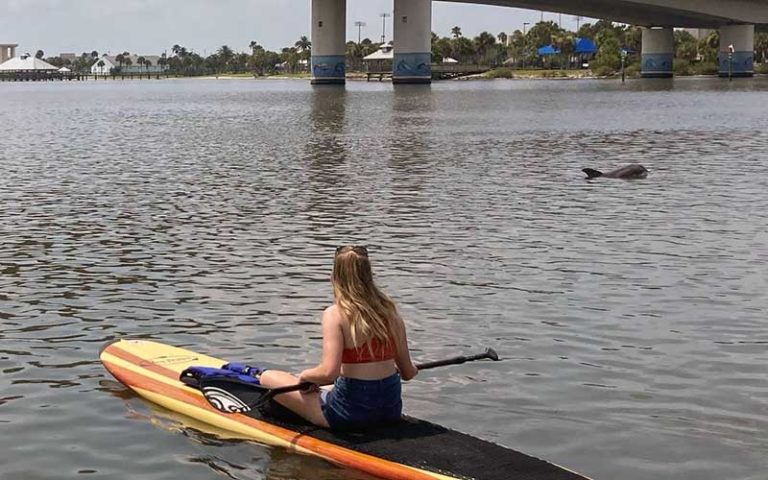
(513, 75)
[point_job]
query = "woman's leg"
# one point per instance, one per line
(305, 404)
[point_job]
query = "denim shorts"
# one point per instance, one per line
(355, 404)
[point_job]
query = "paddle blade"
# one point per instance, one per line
(225, 401)
(491, 353)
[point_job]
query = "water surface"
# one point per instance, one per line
(631, 315)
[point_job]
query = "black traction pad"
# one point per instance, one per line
(415, 443)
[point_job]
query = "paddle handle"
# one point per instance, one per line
(489, 353)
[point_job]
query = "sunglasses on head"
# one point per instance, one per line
(358, 249)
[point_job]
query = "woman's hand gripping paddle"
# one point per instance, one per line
(224, 400)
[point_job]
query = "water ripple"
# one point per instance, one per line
(630, 315)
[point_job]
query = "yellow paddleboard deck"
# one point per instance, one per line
(413, 450)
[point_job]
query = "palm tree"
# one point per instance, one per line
(502, 36)
(162, 62)
(120, 59)
(39, 54)
(304, 46)
(127, 59)
(94, 54)
(484, 42)
(141, 61)
(100, 64)
(226, 54)
(456, 31)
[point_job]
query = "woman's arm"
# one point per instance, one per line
(403, 357)
(333, 345)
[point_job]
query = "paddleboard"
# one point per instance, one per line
(410, 450)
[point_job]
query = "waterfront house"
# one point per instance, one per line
(108, 64)
(381, 60)
(26, 63)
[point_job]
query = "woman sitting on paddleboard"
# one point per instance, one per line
(365, 354)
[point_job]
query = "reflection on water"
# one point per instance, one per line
(204, 214)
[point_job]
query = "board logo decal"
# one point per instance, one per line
(169, 360)
(224, 401)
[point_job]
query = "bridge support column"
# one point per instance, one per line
(413, 42)
(740, 61)
(329, 20)
(658, 52)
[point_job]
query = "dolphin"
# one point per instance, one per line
(627, 172)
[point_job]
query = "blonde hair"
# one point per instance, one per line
(369, 311)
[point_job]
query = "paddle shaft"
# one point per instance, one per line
(458, 360)
(489, 353)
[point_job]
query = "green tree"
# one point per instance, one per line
(517, 49)
(541, 34)
(633, 38)
(40, 54)
(709, 47)
(456, 31)
(291, 57)
(484, 46)
(686, 46)
(162, 62)
(463, 49)
(304, 47)
(127, 59)
(225, 56)
(441, 48)
(565, 42)
(761, 46)
(609, 50)
(586, 31)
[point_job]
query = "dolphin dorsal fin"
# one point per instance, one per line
(592, 173)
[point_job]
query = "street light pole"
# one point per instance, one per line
(730, 62)
(525, 44)
(623, 62)
(384, 17)
(359, 26)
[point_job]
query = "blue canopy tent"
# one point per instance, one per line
(584, 51)
(548, 50)
(585, 46)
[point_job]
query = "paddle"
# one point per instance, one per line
(225, 401)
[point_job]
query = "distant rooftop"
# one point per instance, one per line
(26, 63)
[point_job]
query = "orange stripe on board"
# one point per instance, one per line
(333, 453)
(115, 350)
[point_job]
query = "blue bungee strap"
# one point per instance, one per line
(234, 371)
(244, 369)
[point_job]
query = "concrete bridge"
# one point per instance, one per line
(736, 20)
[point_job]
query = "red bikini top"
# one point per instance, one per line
(362, 354)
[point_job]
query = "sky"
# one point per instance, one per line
(150, 27)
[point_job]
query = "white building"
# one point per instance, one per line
(107, 65)
(27, 63)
